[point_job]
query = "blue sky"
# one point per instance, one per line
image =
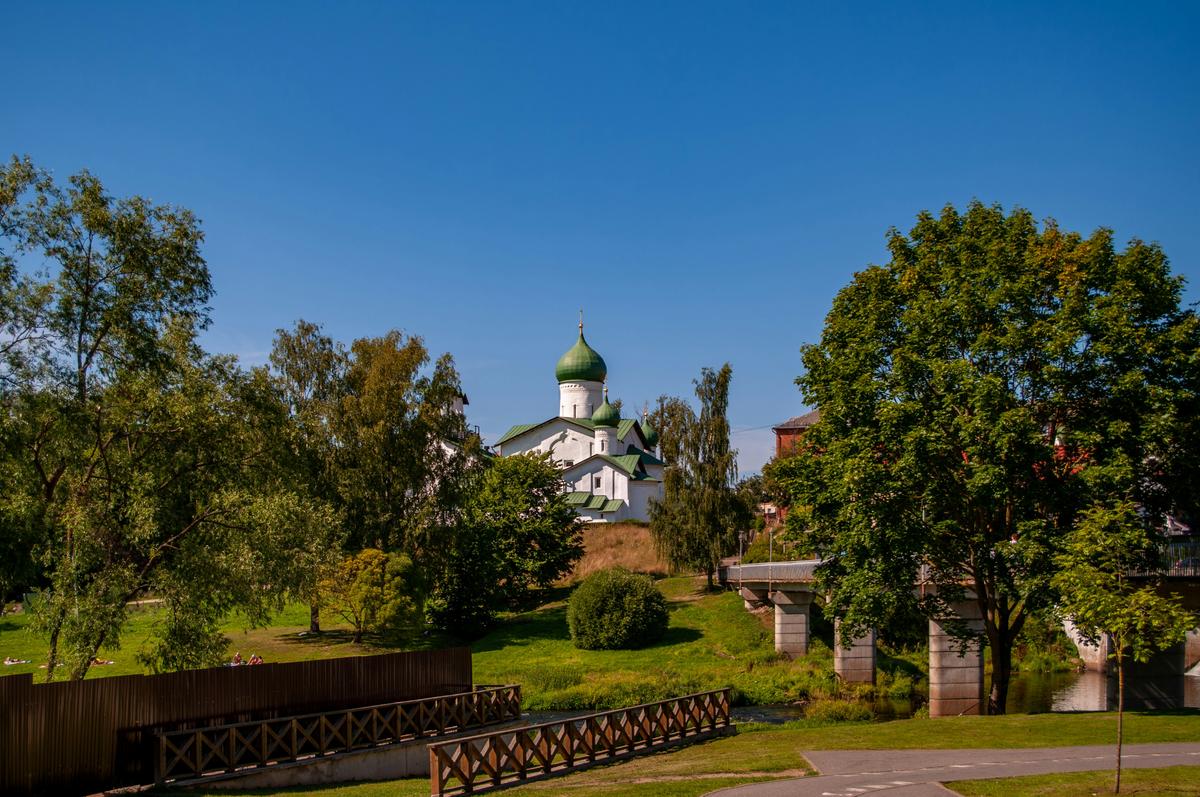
(700, 177)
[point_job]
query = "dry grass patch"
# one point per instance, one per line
(627, 545)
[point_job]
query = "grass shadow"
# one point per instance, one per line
(544, 624)
(677, 635)
(319, 638)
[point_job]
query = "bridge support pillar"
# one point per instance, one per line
(754, 598)
(1159, 683)
(1094, 657)
(791, 621)
(955, 674)
(854, 664)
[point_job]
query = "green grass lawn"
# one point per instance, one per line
(712, 642)
(1166, 781)
(284, 640)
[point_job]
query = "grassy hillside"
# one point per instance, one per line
(711, 642)
(627, 545)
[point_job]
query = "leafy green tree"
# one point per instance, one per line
(977, 392)
(698, 520)
(1103, 597)
(374, 591)
(517, 535)
(137, 463)
(309, 372)
(403, 449)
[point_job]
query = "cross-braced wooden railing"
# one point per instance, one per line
(220, 749)
(502, 758)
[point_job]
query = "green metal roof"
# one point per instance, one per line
(645, 457)
(518, 430)
(584, 423)
(581, 363)
(594, 503)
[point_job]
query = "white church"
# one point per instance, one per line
(607, 461)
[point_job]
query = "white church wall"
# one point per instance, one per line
(567, 442)
(578, 399)
(639, 498)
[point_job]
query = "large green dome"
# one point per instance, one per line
(581, 363)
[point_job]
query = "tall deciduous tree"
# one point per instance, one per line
(137, 462)
(517, 535)
(1107, 589)
(402, 447)
(698, 520)
(309, 371)
(977, 393)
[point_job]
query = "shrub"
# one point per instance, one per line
(838, 711)
(616, 610)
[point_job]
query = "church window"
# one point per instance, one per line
(574, 410)
(568, 463)
(591, 449)
(597, 482)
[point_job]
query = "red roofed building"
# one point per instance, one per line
(789, 432)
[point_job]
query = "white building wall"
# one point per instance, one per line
(567, 442)
(639, 499)
(578, 399)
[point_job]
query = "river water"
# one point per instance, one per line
(1029, 693)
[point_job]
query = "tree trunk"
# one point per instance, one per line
(314, 618)
(1001, 676)
(1120, 719)
(52, 656)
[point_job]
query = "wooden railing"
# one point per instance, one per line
(220, 749)
(491, 760)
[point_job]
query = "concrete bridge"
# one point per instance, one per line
(956, 682)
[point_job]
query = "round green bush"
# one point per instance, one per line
(616, 610)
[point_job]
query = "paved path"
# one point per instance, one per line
(919, 773)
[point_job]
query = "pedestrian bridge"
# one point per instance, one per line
(956, 682)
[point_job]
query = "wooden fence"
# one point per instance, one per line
(507, 757)
(220, 749)
(79, 736)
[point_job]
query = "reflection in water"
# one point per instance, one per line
(1035, 693)
(1088, 692)
(1029, 693)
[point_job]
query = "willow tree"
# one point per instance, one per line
(698, 519)
(977, 393)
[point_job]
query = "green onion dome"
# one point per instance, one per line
(581, 363)
(650, 435)
(606, 414)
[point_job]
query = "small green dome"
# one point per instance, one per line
(606, 415)
(650, 434)
(581, 363)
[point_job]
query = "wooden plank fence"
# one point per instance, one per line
(227, 748)
(505, 758)
(80, 736)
